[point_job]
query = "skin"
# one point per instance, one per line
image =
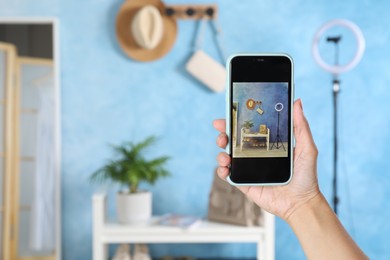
(300, 203)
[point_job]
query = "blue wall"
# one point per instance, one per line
(107, 99)
(269, 94)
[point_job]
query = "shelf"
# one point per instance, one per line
(107, 232)
(206, 232)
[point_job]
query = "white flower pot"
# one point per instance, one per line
(134, 208)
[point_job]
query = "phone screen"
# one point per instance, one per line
(260, 119)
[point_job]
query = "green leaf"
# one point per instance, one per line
(131, 167)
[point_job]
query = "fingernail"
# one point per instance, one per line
(300, 104)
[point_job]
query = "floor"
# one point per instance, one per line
(248, 151)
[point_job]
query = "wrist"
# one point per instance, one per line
(303, 206)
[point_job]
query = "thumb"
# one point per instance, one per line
(303, 136)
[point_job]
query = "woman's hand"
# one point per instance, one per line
(281, 200)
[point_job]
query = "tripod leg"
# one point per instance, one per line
(282, 145)
(273, 144)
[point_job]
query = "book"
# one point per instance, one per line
(182, 221)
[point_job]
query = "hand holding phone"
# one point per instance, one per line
(280, 200)
(259, 119)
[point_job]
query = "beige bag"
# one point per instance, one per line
(203, 67)
(229, 205)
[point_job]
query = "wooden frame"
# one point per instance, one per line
(10, 247)
(8, 154)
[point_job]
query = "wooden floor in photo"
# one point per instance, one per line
(261, 151)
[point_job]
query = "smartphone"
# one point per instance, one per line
(259, 118)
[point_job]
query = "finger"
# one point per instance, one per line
(220, 125)
(223, 172)
(223, 159)
(302, 130)
(222, 140)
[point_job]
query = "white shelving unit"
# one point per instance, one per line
(105, 233)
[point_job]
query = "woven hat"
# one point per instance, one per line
(143, 33)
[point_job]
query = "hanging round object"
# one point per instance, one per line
(279, 107)
(144, 31)
(251, 104)
(338, 69)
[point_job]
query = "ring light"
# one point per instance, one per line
(337, 69)
(278, 143)
(279, 107)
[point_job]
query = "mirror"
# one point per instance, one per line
(30, 140)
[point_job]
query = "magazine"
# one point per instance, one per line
(177, 220)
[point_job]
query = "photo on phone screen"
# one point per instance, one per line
(259, 112)
(260, 119)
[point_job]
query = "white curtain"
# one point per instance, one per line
(43, 205)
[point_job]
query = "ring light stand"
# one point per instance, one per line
(278, 108)
(337, 69)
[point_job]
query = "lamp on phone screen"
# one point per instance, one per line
(279, 107)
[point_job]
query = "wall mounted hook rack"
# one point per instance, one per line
(192, 12)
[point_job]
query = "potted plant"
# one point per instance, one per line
(248, 124)
(130, 169)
